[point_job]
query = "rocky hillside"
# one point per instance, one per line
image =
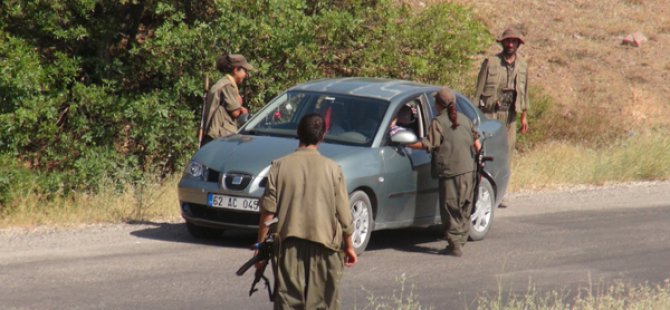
(576, 54)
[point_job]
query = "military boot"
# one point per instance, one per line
(454, 248)
(457, 250)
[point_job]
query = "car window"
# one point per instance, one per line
(349, 119)
(407, 117)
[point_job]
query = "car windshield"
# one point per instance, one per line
(349, 119)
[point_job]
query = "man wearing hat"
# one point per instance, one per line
(502, 86)
(453, 141)
(223, 105)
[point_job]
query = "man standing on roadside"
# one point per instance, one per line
(453, 141)
(306, 192)
(223, 105)
(502, 87)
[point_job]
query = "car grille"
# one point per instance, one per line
(223, 215)
(213, 175)
(237, 181)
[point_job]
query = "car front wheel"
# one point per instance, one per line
(481, 218)
(361, 209)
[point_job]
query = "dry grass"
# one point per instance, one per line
(154, 201)
(604, 297)
(557, 164)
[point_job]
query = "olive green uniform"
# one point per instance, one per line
(502, 92)
(453, 163)
(222, 98)
(306, 192)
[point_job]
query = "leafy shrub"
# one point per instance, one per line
(15, 181)
(92, 89)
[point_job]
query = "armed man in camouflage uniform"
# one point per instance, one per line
(453, 141)
(223, 105)
(306, 192)
(502, 87)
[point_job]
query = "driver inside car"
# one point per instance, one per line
(403, 121)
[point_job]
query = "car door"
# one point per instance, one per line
(409, 183)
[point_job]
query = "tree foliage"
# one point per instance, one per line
(112, 88)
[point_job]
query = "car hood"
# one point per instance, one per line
(252, 154)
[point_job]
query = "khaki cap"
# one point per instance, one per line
(237, 60)
(511, 33)
(445, 97)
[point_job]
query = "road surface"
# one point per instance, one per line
(561, 240)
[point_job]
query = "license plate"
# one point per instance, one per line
(232, 202)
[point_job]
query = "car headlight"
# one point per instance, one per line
(195, 169)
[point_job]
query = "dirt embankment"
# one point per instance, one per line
(576, 55)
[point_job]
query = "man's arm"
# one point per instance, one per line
(231, 97)
(268, 204)
(481, 80)
(430, 141)
(524, 120)
(345, 218)
(351, 258)
(262, 228)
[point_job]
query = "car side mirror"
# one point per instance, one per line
(404, 137)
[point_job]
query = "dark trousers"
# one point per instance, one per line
(308, 275)
(456, 194)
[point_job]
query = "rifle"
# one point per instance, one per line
(265, 254)
(201, 130)
(480, 161)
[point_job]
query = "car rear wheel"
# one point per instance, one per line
(361, 209)
(481, 218)
(200, 232)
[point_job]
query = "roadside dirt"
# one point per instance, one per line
(575, 52)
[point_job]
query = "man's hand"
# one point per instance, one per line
(350, 258)
(524, 122)
(416, 145)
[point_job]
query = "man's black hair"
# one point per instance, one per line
(311, 129)
(223, 64)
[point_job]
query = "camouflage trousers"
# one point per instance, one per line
(456, 195)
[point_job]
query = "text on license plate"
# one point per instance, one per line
(231, 202)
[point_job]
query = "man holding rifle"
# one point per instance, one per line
(453, 142)
(223, 104)
(306, 192)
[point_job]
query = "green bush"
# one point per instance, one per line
(93, 89)
(15, 181)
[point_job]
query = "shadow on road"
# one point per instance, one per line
(408, 240)
(177, 232)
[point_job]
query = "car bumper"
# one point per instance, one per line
(195, 209)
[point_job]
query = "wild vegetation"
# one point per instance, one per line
(100, 100)
(99, 95)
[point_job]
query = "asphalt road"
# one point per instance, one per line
(566, 240)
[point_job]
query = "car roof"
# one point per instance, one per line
(386, 89)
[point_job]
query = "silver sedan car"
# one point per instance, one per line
(390, 185)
